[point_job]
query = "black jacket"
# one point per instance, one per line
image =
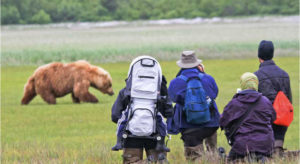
(273, 79)
(164, 104)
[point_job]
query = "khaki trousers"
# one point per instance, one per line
(193, 153)
(135, 156)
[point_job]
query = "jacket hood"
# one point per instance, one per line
(248, 96)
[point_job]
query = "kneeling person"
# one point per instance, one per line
(248, 118)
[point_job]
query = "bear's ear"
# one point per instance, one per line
(95, 71)
(105, 75)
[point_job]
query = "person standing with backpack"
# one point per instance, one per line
(139, 111)
(196, 115)
(272, 80)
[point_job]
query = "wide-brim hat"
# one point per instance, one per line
(188, 60)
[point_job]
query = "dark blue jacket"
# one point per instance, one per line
(255, 134)
(177, 90)
(273, 79)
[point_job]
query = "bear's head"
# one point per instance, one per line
(101, 80)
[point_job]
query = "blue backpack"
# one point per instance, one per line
(196, 106)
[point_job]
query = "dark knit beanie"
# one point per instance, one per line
(266, 50)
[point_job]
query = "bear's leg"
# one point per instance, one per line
(81, 91)
(75, 99)
(29, 91)
(48, 97)
(87, 97)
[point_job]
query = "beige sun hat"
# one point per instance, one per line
(188, 60)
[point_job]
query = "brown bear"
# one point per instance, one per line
(58, 79)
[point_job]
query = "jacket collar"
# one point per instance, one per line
(266, 63)
(195, 70)
(247, 91)
(188, 71)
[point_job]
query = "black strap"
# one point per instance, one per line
(240, 121)
(271, 81)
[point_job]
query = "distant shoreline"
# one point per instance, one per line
(177, 21)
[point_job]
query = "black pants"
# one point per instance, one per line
(140, 143)
(279, 131)
(194, 137)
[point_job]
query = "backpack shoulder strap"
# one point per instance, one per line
(241, 120)
(183, 78)
(271, 81)
(186, 79)
(200, 75)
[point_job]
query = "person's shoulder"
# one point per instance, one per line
(233, 104)
(177, 80)
(266, 100)
(270, 70)
(234, 100)
(260, 75)
(257, 72)
(207, 76)
(180, 77)
(283, 72)
(122, 91)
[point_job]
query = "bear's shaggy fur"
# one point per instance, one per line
(58, 79)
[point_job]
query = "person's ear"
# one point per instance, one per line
(260, 60)
(200, 68)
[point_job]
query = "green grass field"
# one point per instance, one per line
(84, 133)
(67, 132)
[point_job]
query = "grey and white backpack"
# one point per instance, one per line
(144, 78)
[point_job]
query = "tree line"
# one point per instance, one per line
(52, 11)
